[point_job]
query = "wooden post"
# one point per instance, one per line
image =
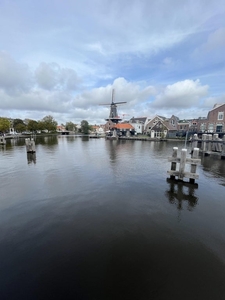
(209, 142)
(174, 164)
(194, 143)
(215, 137)
(204, 136)
(181, 173)
(2, 140)
(30, 145)
(219, 145)
(223, 149)
(194, 166)
(182, 163)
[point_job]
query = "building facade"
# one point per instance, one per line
(215, 121)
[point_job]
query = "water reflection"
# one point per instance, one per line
(214, 165)
(31, 158)
(180, 193)
(2, 147)
(47, 140)
(17, 142)
(111, 146)
(85, 138)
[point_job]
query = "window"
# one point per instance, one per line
(202, 127)
(210, 127)
(220, 115)
(219, 128)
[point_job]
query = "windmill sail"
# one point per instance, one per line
(113, 115)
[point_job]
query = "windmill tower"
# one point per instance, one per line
(113, 114)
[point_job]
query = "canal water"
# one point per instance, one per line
(96, 219)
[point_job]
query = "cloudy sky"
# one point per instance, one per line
(64, 57)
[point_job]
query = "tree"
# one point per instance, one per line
(40, 125)
(85, 127)
(4, 124)
(16, 122)
(32, 125)
(70, 126)
(20, 127)
(49, 123)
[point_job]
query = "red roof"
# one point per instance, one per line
(123, 126)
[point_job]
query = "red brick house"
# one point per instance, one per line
(215, 121)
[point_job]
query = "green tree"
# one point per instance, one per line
(70, 126)
(4, 124)
(40, 125)
(85, 127)
(16, 122)
(49, 123)
(32, 125)
(20, 127)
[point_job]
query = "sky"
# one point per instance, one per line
(64, 57)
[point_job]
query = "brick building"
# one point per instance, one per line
(215, 121)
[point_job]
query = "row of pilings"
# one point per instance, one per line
(209, 144)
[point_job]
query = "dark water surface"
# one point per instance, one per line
(96, 219)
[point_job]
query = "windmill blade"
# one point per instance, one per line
(119, 102)
(112, 103)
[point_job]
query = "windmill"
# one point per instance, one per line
(113, 115)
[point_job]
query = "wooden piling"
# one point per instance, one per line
(182, 163)
(223, 149)
(204, 137)
(215, 136)
(30, 145)
(173, 163)
(2, 140)
(183, 160)
(195, 155)
(209, 148)
(194, 142)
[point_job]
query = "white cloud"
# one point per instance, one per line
(51, 76)
(14, 77)
(182, 94)
(211, 101)
(130, 92)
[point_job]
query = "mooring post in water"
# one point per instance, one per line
(183, 160)
(209, 143)
(219, 144)
(215, 137)
(194, 143)
(182, 163)
(30, 145)
(2, 140)
(194, 165)
(173, 163)
(204, 137)
(223, 149)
